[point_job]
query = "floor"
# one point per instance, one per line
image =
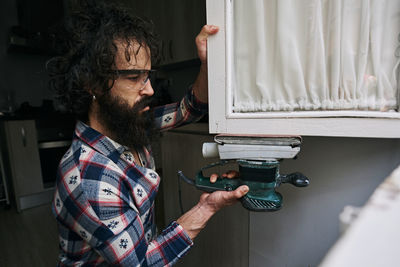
(28, 238)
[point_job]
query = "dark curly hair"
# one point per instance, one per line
(89, 50)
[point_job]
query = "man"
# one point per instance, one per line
(106, 185)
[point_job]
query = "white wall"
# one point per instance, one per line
(342, 171)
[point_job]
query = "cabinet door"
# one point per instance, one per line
(248, 104)
(23, 155)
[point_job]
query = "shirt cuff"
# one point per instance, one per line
(183, 233)
(178, 240)
(195, 103)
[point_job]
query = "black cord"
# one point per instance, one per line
(187, 180)
(180, 195)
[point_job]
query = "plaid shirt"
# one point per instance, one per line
(104, 201)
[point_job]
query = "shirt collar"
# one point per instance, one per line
(99, 142)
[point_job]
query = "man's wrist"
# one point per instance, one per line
(200, 86)
(195, 219)
(203, 66)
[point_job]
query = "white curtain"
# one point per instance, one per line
(315, 55)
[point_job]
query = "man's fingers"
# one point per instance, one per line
(238, 193)
(213, 178)
(241, 191)
(231, 174)
(206, 31)
(201, 40)
(220, 199)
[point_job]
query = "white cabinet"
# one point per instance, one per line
(177, 21)
(224, 118)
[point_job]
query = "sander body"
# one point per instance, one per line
(258, 159)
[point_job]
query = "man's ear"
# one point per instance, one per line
(91, 92)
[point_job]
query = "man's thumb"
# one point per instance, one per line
(241, 191)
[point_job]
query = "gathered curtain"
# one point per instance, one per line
(298, 55)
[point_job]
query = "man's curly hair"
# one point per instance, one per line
(89, 50)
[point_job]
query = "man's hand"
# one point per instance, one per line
(213, 202)
(200, 86)
(201, 41)
(219, 199)
(195, 219)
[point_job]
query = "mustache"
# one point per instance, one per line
(144, 102)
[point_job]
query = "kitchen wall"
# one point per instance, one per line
(22, 76)
(342, 171)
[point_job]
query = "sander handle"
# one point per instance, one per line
(221, 184)
(203, 183)
(297, 179)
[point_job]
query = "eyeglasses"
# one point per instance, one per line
(136, 75)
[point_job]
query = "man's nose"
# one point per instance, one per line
(147, 90)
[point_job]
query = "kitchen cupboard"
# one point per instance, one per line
(228, 59)
(177, 22)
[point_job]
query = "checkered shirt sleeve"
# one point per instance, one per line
(188, 110)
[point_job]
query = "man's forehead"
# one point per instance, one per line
(131, 54)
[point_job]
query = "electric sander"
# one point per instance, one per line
(258, 158)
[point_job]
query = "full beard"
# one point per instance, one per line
(129, 126)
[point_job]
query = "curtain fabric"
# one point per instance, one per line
(302, 55)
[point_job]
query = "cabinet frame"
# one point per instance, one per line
(311, 123)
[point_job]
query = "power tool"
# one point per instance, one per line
(258, 158)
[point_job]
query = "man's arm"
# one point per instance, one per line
(197, 217)
(200, 86)
(194, 105)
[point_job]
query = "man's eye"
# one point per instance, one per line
(133, 78)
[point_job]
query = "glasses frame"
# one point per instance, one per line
(133, 71)
(150, 74)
